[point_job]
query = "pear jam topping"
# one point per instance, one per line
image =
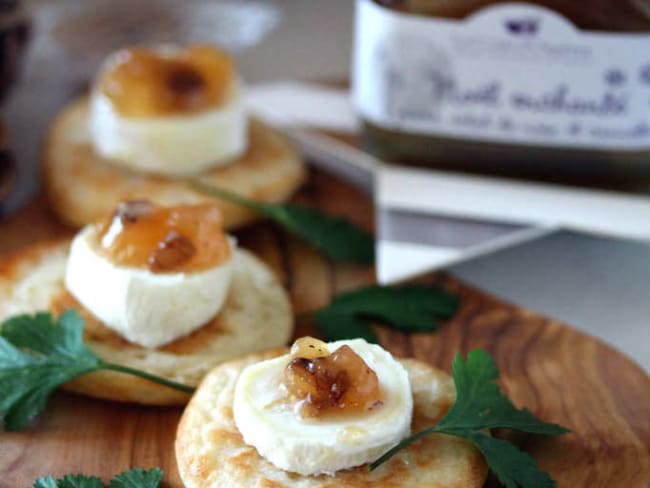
(327, 383)
(142, 82)
(185, 238)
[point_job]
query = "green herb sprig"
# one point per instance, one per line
(480, 405)
(135, 478)
(38, 355)
(411, 308)
(336, 237)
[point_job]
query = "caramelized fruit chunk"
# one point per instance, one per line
(337, 383)
(143, 83)
(132, 210)
(164, 239)
(309, 348)
(173, 251)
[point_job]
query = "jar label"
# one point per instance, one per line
(515, 73)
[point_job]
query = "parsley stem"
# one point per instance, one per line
(307, 315)
(151, 377)
(222, 194)
(406, 442)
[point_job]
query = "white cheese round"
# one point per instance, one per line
(179, 145)
(150, 309)
(321, 446)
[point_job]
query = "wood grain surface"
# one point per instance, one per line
(560, 374)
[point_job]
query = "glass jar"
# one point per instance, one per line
(540, 89)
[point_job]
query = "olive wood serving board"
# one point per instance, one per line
(560, 374)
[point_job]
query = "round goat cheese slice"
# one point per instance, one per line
(150, 309)
(312, 446)
(177, 144)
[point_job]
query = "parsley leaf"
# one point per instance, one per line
(138, 478)
(412, 308)
(480, 405)
(336, 326)
(45, 482)
(336, 237)
(135, 478)
(56, 355)
(37, 356)
(69, 481)
(513, 468)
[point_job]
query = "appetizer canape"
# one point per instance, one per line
(316, 416)
(163, 289)
(154, 118)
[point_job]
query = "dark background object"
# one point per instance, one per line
(14, 33)
(6, 166)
